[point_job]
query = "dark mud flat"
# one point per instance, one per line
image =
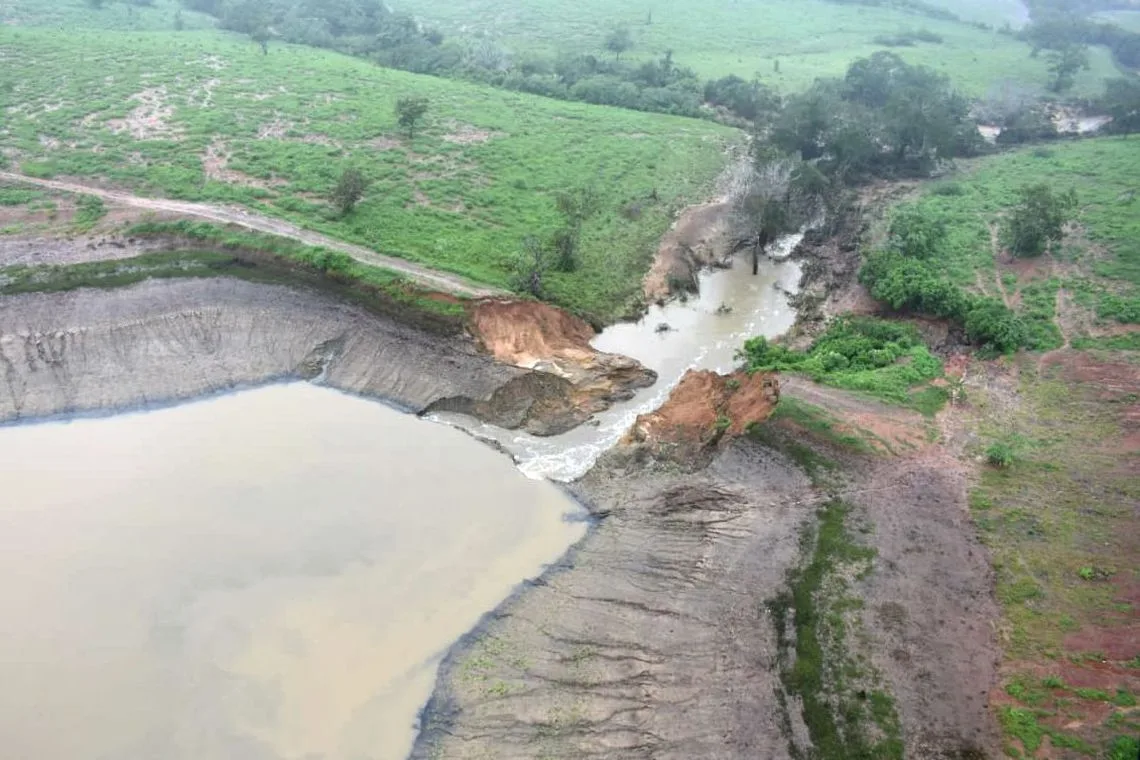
(658, 636)
(655, 641)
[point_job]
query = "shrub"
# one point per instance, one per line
(991, 324)
(1000, 455)
(1038, 220)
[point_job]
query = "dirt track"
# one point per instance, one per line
(448, 283)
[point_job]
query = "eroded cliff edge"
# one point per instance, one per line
(161, 341)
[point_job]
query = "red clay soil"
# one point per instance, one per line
(705, 408)
(542, 337)
(525, 333)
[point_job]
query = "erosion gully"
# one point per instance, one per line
(701, 332)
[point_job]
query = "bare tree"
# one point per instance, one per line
(780, 195)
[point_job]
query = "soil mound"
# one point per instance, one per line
(544, 338)
(703, 409)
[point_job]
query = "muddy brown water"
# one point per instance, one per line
(702, 332)
(264, 575)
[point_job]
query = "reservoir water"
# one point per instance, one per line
(268, 575)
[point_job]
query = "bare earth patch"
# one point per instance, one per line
(274, 130)
(215, 162)
(151, 119)
(467, 134)
(385, 143)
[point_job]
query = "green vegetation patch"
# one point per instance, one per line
(886, 360)
(205, 116)
(1057, 517)
(846, 720)
(788, 43)
(1099, 264)
(18, 196)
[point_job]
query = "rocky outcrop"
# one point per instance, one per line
(544, 338)
(165, 340)
(702, 410)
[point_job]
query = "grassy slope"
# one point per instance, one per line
(1099, 266)
(1129, 20)
(115, 14)
(1060, 522)
(811, 38)
(293, 120)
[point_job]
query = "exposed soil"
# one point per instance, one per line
(929, 605)
(165, 340)
(150, 119)
(705, 409)
(466, 134)
(653, 639)
(700, 237)
(448, 283)
(537, 336)
(215, 163)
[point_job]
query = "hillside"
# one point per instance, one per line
(205, 116)
(809, 38)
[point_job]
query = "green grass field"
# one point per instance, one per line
(78, 14)
(204, 116)
(1129, 20)
(810, 38)
(1098, 264)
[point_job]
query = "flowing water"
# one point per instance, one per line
(269, 575)
(704, 332)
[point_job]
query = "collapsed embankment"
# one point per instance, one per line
(157, 341)
(250, 315)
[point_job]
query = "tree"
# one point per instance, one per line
(1038, 219)
(348, 191)
(1064, 65)
(1122, 101)
(533, 261)
(409, 111)
(619, 41)
(261, 36)
(782, 194)
(576, 206)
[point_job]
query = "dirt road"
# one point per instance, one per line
(449, 283)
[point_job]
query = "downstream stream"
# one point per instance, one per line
(704, 332)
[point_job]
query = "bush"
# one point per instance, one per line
(882, 358)
(1000, 455)
(992, 325)
(1038, 220)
